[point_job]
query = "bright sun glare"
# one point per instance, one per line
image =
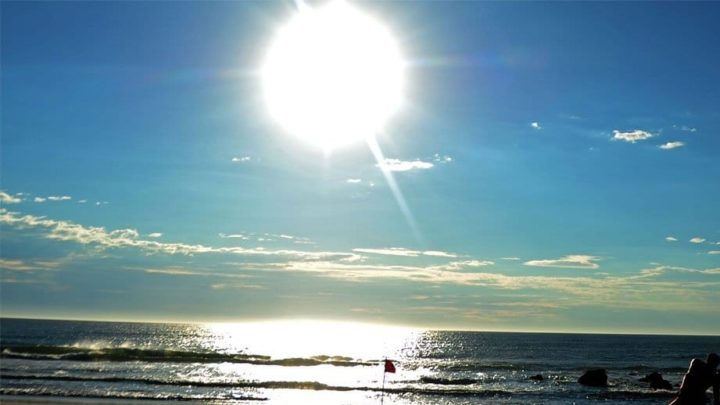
(333, 75)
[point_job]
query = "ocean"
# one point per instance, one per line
(304, 362)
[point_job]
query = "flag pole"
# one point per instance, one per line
(382, 391)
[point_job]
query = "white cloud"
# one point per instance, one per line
(353, 181)
(393, 251)
(464, 264)
(155, 235)
(41, 200)
(631, 136)
(535, 125)
(390, 252)
(241, 159)
(568, 262)
(672, 145)
(438, 158)
(397, 165)
(671, 239)
(129, 238)
(697, 239)
(234, 236)
(59, 198)
(82, 201)
(6, 198)
(648, 289)
(714, 252)
(437, 253)
(510, 258)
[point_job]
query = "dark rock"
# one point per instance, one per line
(594, 378)
(537, 377)
(657, 382)
(651, 377)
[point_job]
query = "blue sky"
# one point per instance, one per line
(560, 161)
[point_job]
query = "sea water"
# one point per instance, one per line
(321, 363)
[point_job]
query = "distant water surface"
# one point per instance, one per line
(330, 363)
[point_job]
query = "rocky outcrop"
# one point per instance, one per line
(657, 382)
(594, 378)
(537, 377)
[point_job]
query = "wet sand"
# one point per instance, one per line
(36, 400)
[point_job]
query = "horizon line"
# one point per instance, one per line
(360, 322)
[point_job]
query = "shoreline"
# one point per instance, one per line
(56, 400)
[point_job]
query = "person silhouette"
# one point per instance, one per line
(699, 377)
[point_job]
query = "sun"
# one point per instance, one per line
(333, 75)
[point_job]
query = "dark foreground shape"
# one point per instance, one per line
(537, 377)
(657, 382)
(594, 378)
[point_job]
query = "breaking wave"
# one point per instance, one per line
(75, 353)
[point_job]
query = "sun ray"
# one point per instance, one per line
(395, 188)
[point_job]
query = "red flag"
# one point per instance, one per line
(389, 366)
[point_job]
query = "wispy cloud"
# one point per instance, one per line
(442, 159)
(661, 269)
(671, 239)
(714, 252)
(6, 198)
(672, 145)
(394, 251)
(20, 265)
(569, 262)
(397, 165)
(697, 239)
(241, 159)
(631, 136)
(464, 264)
(181, 271)
(535, 125)
(233, 236)
(685, 128)
(512, 258)
(155, 235)
(353, 181)
(637, 291)
(41, 200)
(236, 286)
(129, 238)
(59, 198)
(438, 253)
(655, 289)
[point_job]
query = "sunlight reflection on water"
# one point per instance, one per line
(295, 339)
